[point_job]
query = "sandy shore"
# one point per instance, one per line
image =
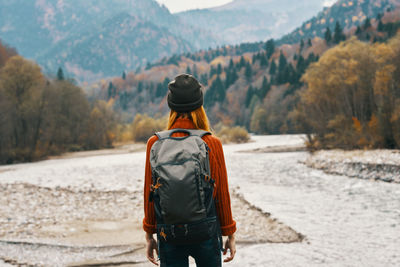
(45, 226)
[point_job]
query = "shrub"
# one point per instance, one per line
(144, 127)
(235, 134)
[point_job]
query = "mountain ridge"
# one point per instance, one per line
(250, 21)
(47, 24)
(349, 14)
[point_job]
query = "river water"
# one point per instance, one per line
(346, 221)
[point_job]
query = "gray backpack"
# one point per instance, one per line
(182, 189)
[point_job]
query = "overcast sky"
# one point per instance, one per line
(182, 5)
(179, 5)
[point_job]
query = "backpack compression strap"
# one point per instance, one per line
(168, 133)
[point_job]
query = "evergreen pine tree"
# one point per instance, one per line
(249, 95)
(204, 79)
(248, 72)
(264, 88)
(301, 65)
(309, 43)
(272, 68)
(219, 69)
(231, 65)
(301, 45)
(242, 62)
(165, 84)
(212, 72)
(282, 62)
(367, 23)
(328, 35)
(358, 31)
(270, 48)
(188, 70)
(216, 93)
(254, 58)
(264, 61)
(60, 74)
(160, 90)
(338, 35)
(380, 26)
(148, 66)
(140, 87)
(124, 75)
(110, 90)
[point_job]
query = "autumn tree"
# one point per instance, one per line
(101, 125)
(22, 83)
(6, 52)
(352, 95)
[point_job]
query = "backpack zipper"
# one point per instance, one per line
(198, 187)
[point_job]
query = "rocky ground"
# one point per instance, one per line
(383, 165)
(43, 226)
(86, 210)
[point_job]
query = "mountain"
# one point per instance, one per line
(252, 20)
(349, 14)
(121, 43)
(50, 30)
(254, 85)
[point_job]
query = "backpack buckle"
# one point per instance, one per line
(208, 179)
(162, 234)
(155, 186)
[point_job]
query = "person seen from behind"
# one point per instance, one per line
(188, 213)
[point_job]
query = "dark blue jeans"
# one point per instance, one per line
(206, 254)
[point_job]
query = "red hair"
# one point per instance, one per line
(198, 116)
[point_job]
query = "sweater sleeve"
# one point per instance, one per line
(221, 194)
(149, 221)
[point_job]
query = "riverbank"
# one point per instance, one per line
(346, 222)
(84, 209)
(381, 165)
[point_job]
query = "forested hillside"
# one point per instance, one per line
(253, 85)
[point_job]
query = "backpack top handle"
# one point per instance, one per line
(190, 132)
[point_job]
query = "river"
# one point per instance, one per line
(346, 221)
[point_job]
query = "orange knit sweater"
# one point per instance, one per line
(218, 173)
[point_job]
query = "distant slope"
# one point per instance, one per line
(56, 31)
(252, 20)
(349, 13)
(121, 43)
(253, 85)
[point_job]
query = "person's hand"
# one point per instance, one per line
(150, 247)
(230, 244)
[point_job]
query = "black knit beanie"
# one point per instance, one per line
(184, 94)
